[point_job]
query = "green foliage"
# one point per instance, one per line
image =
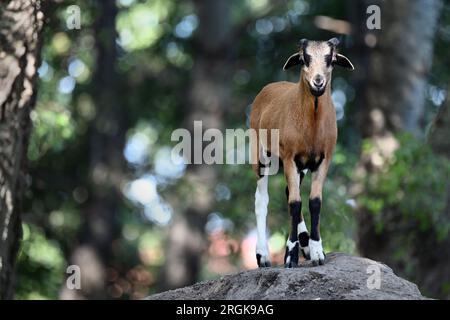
(154, 65)
(414, 182)
(140, 26)
(54, 126)
(41, 265)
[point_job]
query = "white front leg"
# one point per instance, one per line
(261, 203)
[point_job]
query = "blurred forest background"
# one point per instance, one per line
(99, 189)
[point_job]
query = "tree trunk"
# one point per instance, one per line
(439, 134)
(394, 102)
(208, 96)
(360, 56)
(106, 166)
(399, 67)
(21, 22)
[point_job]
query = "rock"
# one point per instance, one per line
(342, 277)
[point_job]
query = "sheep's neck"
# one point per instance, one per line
(310, 103)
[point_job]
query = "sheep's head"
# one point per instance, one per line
(317, 59)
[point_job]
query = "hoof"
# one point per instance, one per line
(263, 261)
(316, 252)
(319, 262)
(291, 255)
(305, 254)
(290, 265)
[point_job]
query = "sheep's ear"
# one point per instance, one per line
(334, 42)
(343, 61)
(293, 60)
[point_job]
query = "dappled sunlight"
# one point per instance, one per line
(103, 189)
(66, 85)
(165, 167)
(142, 190)
(139, 26)
(137, 149)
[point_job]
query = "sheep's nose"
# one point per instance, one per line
(318, 81)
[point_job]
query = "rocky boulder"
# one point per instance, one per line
(343, 277)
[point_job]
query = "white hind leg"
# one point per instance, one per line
(261, 203)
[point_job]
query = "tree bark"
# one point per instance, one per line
(100, 228)
(21, 23)
(207, 99)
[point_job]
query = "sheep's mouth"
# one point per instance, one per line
(317, 92)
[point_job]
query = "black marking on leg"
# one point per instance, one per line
(295, 212)
(316, 104)
(303, 239)
(293, 254)
(287, 192)
(260, 165)
(295, 209)
(314, 208)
